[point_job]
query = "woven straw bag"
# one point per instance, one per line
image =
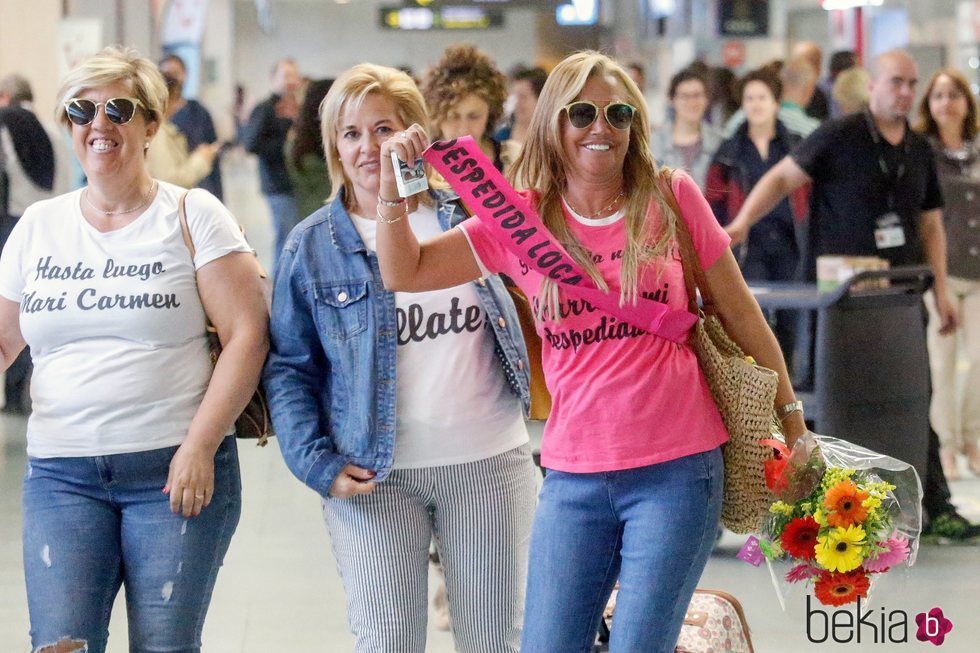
(743, 391)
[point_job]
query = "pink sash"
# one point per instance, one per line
(517, 226)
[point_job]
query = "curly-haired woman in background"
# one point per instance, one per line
(465, 93)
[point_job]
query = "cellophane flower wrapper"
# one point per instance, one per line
(844, 515)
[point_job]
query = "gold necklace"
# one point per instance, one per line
(598, 213)
(146, 200)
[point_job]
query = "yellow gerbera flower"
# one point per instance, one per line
(841, 549)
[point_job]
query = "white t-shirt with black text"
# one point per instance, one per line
(114, 321)
(454, 404)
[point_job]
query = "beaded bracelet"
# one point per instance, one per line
(390, 203)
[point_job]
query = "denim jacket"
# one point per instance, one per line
(330, 375)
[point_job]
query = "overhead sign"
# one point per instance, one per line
(577, 12)
(425, 18)
(743, 18)
(185, 21)
(78, 38)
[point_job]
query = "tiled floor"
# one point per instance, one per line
(279, 590)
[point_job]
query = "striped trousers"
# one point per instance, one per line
(479, 515)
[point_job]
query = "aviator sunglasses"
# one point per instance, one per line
(583, 113)
(119, 110)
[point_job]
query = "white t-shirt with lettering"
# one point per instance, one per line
(114, 321)
(453, 402)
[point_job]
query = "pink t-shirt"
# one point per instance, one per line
(621, 397)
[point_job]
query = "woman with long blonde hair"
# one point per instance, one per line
(632, 446)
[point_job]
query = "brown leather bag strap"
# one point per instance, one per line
(184, 229)
(694, 278)
(186, 233)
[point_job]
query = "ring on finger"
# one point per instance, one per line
(199, 496)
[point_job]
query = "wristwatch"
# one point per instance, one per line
(786, 410)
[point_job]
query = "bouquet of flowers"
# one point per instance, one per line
(844, 515)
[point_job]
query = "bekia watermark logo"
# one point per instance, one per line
(933, 626)
(874, 626)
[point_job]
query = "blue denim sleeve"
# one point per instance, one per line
(296, 376)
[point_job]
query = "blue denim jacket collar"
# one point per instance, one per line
(342, 231)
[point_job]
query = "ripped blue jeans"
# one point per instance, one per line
(94, 524)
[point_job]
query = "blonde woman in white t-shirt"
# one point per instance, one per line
(132, 475)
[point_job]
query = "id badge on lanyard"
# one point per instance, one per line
(889, 232)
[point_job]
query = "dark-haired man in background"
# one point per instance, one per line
(27, 175)
(265, 136)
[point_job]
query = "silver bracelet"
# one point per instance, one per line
(786, 410)
(385, 220)
(389, 203)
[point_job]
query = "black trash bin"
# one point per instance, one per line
(870, 362)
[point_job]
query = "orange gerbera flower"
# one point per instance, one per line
(837, 589)
(843, 505)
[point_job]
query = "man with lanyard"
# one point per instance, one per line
(874, 193)
(27, 174)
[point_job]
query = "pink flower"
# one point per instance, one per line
(896, 552)
(801, 572)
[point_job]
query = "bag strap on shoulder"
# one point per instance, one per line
(184, 229)
(694, 277)
(186, 233)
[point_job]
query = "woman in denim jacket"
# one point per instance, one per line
(402, 411)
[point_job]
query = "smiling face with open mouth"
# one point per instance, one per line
(596, 152)
(105, 148)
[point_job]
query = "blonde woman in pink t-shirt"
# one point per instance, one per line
(632, 445)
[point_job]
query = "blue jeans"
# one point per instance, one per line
(285, 216)
(93, 524)
(652, 527)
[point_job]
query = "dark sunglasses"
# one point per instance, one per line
(119, 110)
(583, 113)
